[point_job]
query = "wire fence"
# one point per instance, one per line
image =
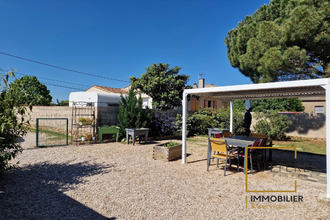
(51, 132)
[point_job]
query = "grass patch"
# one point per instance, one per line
(315, 146)
(200, 140)
(52, 135)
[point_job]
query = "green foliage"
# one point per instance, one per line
(12, 122)
(272, 124)
(31, 91)
(131, 114)
(285, 40)
(62, 103)
(199, 121)
(165, 86)
(260, 105)
(162, 124)
(170, 144)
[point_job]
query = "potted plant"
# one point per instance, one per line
(167, 151)
(88, 136)
(85, 121)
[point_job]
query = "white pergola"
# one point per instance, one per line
(288, 89)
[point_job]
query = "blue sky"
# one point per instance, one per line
(119, 39)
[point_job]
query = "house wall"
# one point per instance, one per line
(307, 125)
(310, 106)
(203, 102)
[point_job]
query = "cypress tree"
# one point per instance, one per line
(131, 113)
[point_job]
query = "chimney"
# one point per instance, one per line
(201, 83)
(195, 86)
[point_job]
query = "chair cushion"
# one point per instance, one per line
(218, 135)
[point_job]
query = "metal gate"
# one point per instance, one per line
(51, 132)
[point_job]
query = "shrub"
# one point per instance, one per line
(171, 144)
(273, 124)
(162, 125)
(12, 121)
(198, 122)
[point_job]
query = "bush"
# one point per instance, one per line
(198, 122)
(162, 125)
(273, 124)
(12, 122)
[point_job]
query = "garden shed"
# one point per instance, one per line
(288, 89)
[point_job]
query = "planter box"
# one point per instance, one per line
(167, 153)
(85, 122)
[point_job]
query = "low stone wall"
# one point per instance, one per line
(50, 112)
(103, 115)
(304, 125)
(307, 125)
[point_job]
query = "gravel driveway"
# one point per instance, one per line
(119, 181)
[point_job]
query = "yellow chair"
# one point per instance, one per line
(221, 151)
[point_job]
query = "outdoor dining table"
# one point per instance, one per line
(241, 142)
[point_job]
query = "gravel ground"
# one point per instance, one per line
(119, 181)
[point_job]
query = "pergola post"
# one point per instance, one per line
(327, 126)
(231, 104)
(184, 128)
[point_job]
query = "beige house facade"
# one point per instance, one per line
(197, 102)
(313, 105)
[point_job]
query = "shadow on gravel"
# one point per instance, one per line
(304, 161)
(37, 191)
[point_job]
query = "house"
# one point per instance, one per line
(193, 104)
(197, 102)
(106, 89)
(147, 101)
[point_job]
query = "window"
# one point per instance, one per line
(319, 109)
(145, 103)
(209, 104)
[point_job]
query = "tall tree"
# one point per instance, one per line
(11, 123)
(285, 40)
(164, 85)
(31, 91)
